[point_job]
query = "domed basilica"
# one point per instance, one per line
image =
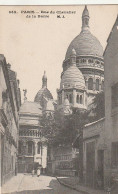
(83, 69)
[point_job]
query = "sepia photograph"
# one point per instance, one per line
(59, 99)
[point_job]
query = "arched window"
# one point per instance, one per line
(90, 61)
(97, 84)
(77, 99)
(30, 147)
(102, 86)
(81, 99)
(39, 148)
(70, 98)
(90, 84)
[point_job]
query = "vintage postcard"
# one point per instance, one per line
(59, 99)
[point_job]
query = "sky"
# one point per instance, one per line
(32, 45)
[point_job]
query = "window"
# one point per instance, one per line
(114, 152)
(30, 147)
(70, 98)
(115, 95)
(97, 84)
(77, 99)
(82, 60)
(90, 84)
(81, 99)
(90, 61)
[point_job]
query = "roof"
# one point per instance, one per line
(31, 108)
(89, 124)
(108, 39)
(85, 44)
(73, 77)
(43, 92)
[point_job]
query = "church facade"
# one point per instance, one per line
(85, 53)
(32, 145)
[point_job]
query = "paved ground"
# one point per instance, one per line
(73, 182)
(26, 184)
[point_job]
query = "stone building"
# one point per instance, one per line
(88, 57)
(10, 101)
(111, 104)
(32, 145)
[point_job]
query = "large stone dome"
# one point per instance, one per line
(85, 44)
(72, 77)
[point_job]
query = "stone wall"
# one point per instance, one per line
(93, 143)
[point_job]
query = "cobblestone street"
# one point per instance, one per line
(26, 184)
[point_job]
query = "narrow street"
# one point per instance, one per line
(26, 184)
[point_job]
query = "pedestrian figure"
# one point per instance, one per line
(108, 190)
(33, 172)
(38, 172)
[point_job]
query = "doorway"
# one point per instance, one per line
(100, 177)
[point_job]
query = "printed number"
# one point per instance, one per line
(12, 12)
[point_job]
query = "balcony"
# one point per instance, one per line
(30, 133)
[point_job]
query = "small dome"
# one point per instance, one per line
(85, 44)
(30, 108)
(43, 92)
(72, 77)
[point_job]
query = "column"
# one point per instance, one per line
(84, 99)
(44, 156)
(74, 97)
(62, 96)
(35, 147)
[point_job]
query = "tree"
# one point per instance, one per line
(61, 129)
(99, 106)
